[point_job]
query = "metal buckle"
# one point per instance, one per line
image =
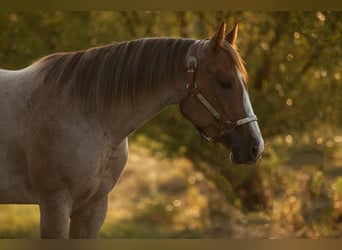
(191, 61)
(194, 86)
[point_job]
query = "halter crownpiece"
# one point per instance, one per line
(226, 126)
(191, 65)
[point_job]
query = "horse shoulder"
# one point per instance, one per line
(16, 88)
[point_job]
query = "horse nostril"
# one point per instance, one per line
(254, 151)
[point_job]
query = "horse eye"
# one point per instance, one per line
(226, 84)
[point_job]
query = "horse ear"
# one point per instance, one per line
(217, 39)
(231, 36)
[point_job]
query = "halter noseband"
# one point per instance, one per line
(226, 126)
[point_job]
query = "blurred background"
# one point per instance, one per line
(175, 184)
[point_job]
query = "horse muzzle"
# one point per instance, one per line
(250, 155)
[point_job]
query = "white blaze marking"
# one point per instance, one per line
(246, 101)
(249, 111)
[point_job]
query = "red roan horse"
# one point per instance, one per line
(66, 118)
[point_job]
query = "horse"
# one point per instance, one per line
(66, 117)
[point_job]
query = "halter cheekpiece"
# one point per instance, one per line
(226, 126)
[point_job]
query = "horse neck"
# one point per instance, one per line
(172, 91)
(133, 94)
(128, 118)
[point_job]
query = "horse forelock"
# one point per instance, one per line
(120, 73)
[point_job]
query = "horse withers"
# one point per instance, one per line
(65, 119)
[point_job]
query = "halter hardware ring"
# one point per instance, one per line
(193, 88)
(191, 64)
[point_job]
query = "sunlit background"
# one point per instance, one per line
(176, 185)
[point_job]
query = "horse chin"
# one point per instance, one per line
(233, 159)
(225, 143)
(236, 161)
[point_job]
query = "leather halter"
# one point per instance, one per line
(226, 126)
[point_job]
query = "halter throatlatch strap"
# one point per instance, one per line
(225, 125)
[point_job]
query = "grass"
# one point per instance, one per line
(19, 221)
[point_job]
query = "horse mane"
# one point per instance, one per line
(117, 73)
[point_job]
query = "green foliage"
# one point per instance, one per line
(338, 187)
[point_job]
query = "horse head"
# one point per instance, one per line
(217, 102)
